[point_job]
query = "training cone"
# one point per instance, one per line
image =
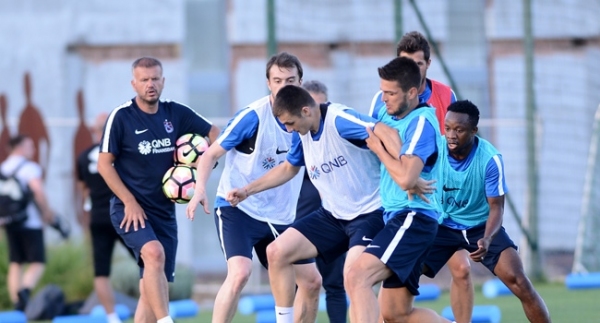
(13, 317)
(183, 308)
(494, 288)
(481, 314)
(428, 292)
(250, 304)
(122, 311)
(583, 281)
(266, 316)
(80, 319)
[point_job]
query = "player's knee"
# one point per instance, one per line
(275, 253)
(353, 278)
(461, 271)
(238, 276)
(153, 254)
(394, 314)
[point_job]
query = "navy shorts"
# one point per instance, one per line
(448, 240)
(239, 233)
(25, 245)
(104, 237)
(333, 237)
(157, 228)
(402, 246)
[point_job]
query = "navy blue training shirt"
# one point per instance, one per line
(143, 145)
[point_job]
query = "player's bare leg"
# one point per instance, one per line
(143, 311)
(510, 271)
(461, 289)
(155, 286)
(104, 290)
(289, 247)
(238, 271)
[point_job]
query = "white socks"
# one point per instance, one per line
(113, 318)
(166, 319)
(284, 314)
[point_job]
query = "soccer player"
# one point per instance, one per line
(135, 152)
(332, 273)
(438, 95)
(329, 139)
(396, 254)
(98, 195)
(254, 142)
(472, 196)
(415, 46)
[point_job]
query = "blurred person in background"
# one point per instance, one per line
(254, 142)
(95, 213)
(26, 250)
(309, 201)
(135, 152)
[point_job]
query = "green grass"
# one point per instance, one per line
(568, 306)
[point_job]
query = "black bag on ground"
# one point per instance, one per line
(14, 198)
(48, 303)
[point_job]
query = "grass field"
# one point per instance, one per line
(566, 306)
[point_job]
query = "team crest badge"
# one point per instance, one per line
(168, 126)
(268, 163)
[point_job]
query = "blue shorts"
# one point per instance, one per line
(333, 237)
(448, 240)
(402, 246)
(157, 228)
(239, 233)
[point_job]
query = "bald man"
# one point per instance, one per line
(96, 212)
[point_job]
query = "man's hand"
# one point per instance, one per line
(237, 195)
(423, 187)
(198, 198)
(374, 143)
(134, 216)
(84, 218)
(479, 254)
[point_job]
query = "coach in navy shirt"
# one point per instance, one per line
(136, 150)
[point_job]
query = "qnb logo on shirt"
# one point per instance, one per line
(330, 166)
(156, 146)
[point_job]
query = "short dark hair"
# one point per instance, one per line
(146, 62)
(315, 86)
(402, 70)
(466, 106)
(413, 42)
(15, 141)
(285, 60)
(291, 99)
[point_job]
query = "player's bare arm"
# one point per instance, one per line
(405, 171)
(37, 188)
(204, 167)
(492, 226)
(279, 175)
(83, 216)
(134, 214)
(389, 138)
(213, 134)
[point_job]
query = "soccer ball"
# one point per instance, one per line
(188, 147)
(178, 183)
